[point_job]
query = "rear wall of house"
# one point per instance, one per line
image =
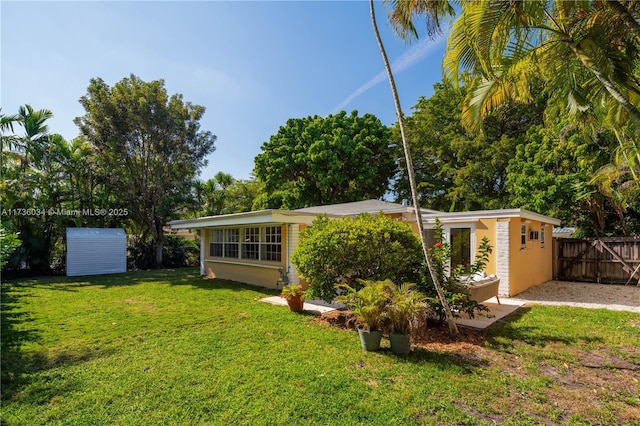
(487, 228)
(531, 260)
(257, 272)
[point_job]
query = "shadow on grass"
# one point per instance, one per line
(467, 362)
(174, 277)
(16, 365)
(108, 280)
(509, 332)
(220, 284)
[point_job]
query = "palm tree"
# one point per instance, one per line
(453, 328)
(402, 13)
(584, 51)
(32, 145)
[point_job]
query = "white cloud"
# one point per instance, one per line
(408, 59)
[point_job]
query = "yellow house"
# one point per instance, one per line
(256, 247)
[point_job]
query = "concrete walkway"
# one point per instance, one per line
(558, 293)
(316, 307)
(561, 293)
(496, 312)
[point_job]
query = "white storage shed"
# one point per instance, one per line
(94, 251)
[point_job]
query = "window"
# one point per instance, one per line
(460, 239)
(523, 234)
(231, 240)
(216, 242)
(542, 235)
(251, 243)
(534, 235)
(272, 247)
(431, 237)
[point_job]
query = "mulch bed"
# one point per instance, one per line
(435, 336)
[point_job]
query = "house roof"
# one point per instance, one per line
(357, 207)
(474, 216)
(564, 231)
(306, 215)
(246, 218)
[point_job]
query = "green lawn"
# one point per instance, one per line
(169, 347)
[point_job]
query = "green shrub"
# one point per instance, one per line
(405, 304)
(9, 241)
(176, 252)
(357, 248)
(368, 303)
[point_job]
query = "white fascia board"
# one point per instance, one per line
(475, 216)
(247, 218)
(540, 217)
(445, 221)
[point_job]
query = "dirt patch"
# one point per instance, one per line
(434, 337)
(578, 383)
(592, 360)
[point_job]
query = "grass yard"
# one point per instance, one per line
(169, 347)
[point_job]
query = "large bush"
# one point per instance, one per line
(176, 253)
(363, 247)
(9, 241)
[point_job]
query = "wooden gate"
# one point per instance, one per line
(603, 260)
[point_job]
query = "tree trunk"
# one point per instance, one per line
(158, 239)
(453, 328)
(158, 262)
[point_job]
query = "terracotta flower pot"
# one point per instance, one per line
(296, 304)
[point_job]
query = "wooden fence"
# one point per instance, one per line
(603, 260)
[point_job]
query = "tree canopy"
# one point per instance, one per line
(150, 145)
(325, 160)
(457, 170)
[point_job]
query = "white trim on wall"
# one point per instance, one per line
(503, 256)
(293, 237)
(257, 265)
(203, 236)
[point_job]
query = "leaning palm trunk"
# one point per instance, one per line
(453, 328)
(606, 83)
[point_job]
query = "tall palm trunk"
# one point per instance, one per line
(453, 328)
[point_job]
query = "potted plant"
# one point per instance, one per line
(405, 304)
(368, 305)
(293, 294)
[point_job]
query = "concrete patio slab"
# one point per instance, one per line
(496, 312)
(312, 306)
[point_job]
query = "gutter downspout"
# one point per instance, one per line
(203, 235)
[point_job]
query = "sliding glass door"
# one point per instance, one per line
(462, 241)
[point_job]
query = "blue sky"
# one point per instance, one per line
(253, 65)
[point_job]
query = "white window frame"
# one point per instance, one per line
(249, 239)
(446, 235)
(238, 235)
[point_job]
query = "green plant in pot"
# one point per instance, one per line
(405, 304)
(294, 294)
(368, 305)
